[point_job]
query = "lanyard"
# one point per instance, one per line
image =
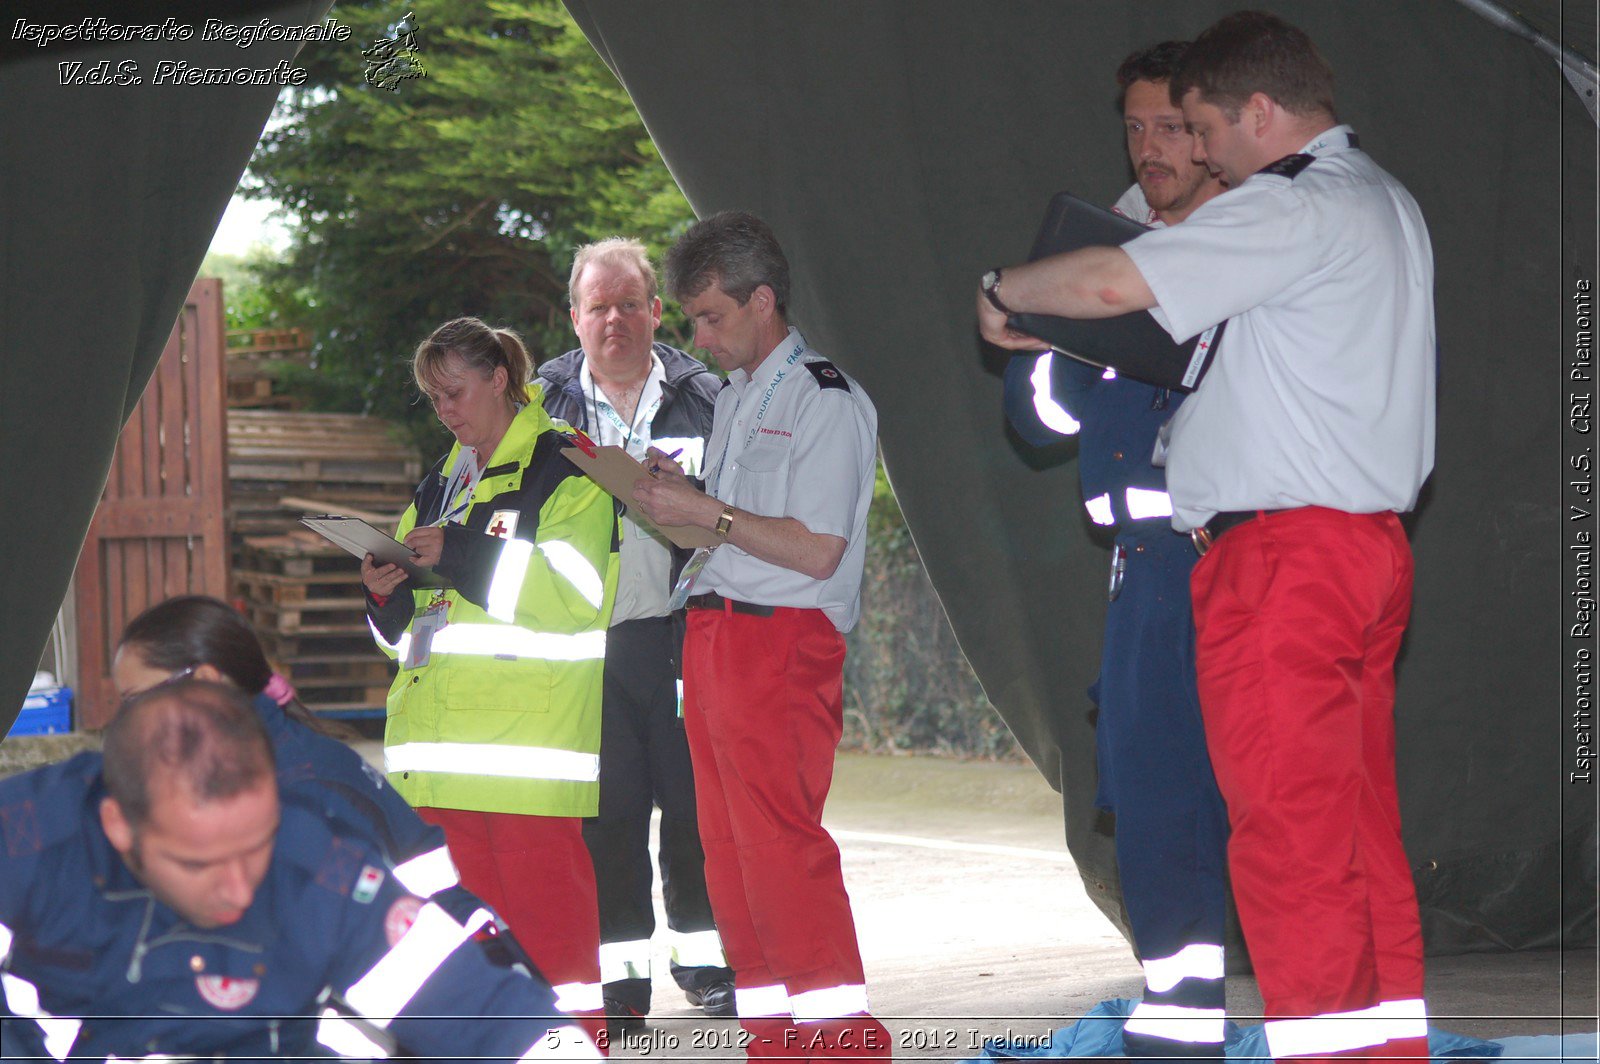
(463, 478)
(714, 482)
(628, 435)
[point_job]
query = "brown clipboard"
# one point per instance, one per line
(615, 470)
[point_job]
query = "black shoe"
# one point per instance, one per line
(716, 998)
(621, 1018)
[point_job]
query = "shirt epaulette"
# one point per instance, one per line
(1289, 166)
(827, 376)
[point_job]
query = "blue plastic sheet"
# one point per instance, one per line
(1099, 1034)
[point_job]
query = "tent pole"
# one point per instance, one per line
(1580, 73)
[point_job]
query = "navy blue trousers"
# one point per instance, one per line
(1155, 776)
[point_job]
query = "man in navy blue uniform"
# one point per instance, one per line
(168, 894)
(1171, 827)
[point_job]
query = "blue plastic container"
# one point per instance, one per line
(45, 712)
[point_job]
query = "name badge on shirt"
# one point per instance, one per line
(691, 572)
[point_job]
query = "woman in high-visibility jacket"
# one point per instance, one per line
(493, 726)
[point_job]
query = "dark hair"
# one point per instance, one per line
(1249, 52)
(480, 348)
(1157, 63)
(192, 630)
(200, 736)
(734, 250)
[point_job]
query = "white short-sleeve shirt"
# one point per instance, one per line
(646, 555)
(796, 438)
(1321, 392)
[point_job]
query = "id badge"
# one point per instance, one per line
(691, 572)
(1119, 566)
(423, 628)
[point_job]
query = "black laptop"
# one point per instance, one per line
(1132, 344)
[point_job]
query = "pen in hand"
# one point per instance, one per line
(655, 467)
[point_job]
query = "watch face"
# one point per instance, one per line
(991, 279)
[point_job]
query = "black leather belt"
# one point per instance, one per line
(1208, 534)
(713, 601)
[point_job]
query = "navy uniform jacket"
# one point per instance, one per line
(81, 937)
(1118, 419)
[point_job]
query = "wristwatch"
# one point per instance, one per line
(725, 522)
(991, 289)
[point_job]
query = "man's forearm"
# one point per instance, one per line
(1099, 282)
(786, 542)
(781, 541)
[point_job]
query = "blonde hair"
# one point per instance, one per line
(478, 347)
(614, 251)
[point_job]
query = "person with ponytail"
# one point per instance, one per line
(206, 639)
(493, 727)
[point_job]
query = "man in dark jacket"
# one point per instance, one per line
(623, 388)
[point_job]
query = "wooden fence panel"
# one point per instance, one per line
(158, 531)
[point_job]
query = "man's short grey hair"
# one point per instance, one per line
(734, 250)
(613, 251)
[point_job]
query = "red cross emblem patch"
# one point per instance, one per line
(503, 524)
(402, 914)
(226, 994)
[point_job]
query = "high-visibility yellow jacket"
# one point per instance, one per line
(503, 715)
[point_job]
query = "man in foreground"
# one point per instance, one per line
(173, 898)
(1312, 430)
(789, 475)
(1171, 827)
(624, 389)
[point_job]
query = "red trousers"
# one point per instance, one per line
(1298, 617)
(763, 710)
(536, 873)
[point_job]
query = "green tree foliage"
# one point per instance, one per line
(247, 302)
(464, 192)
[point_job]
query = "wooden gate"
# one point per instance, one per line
(159, 528)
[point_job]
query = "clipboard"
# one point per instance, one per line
(615, 470)
(361, 539)
(1132, 344)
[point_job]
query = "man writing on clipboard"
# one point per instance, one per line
(789, 477)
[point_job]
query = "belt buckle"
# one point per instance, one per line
(1119, 566)
(1202, 539)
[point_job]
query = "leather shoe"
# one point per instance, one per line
(716, 998)
(621, 1018)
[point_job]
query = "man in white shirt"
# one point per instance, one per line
(624, 388)
(1313, 428)
(789, 477)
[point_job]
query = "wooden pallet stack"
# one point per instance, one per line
(302, 593)
(256, 359)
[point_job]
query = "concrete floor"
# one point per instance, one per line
(974, 924)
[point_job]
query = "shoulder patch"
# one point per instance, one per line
(827, 376)
(1289, 166)
(367, 884)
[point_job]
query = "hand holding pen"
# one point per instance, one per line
(660, 461)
